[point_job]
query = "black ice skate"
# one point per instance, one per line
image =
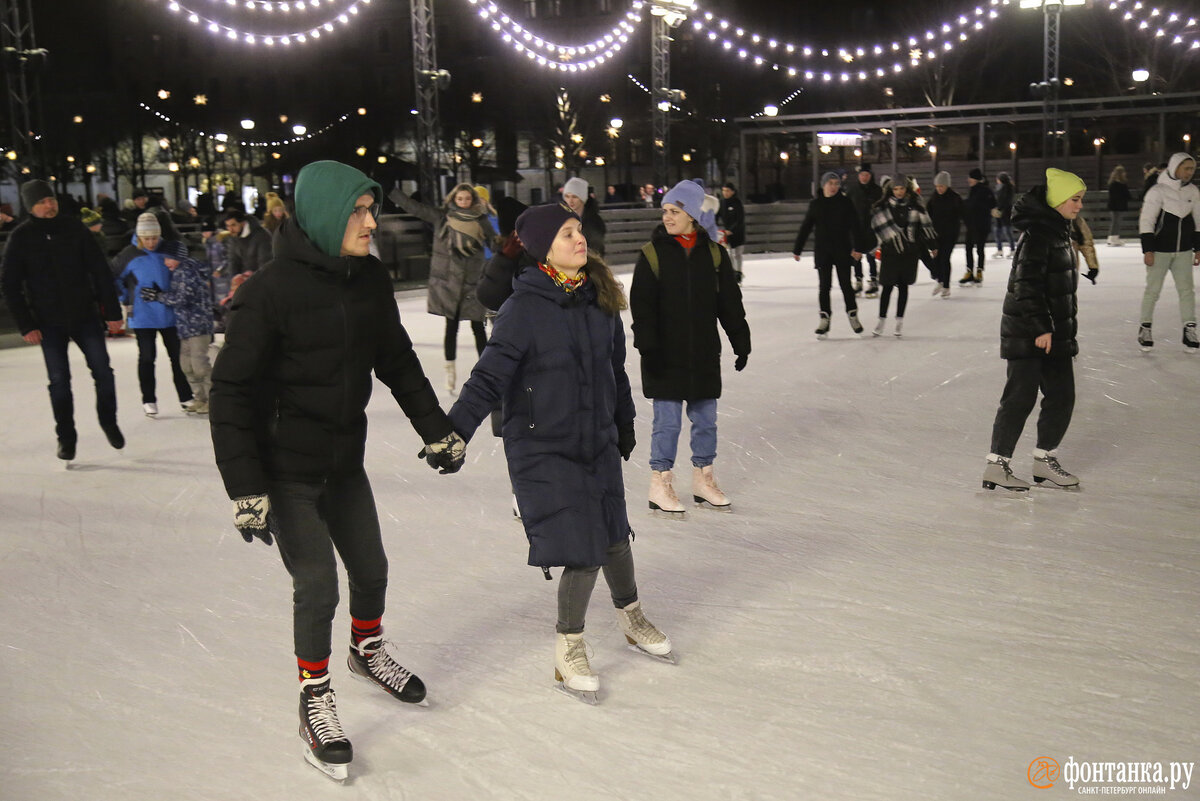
(327, 748)
(872, 289)
(1189, 337)
(1145, 337)
(370, 661)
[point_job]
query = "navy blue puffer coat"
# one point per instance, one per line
(557, 361)
(1041, 286)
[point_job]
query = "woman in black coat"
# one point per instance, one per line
(556, 359)
(905, 234)
(839, 243)
(1037, 333)
(1118, 203)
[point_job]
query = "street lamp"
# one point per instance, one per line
(1098, 142)
(1012, 148)
(247, 125)
(1140, 75)
(665, 15)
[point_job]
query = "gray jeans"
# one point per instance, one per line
(193, 358)
(312, 520)
(576, 583)
(1179, 265)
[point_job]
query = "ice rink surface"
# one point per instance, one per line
(868, 623)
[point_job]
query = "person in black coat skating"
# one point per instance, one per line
(977, 216)
(1037, 333)
(946, 211)
(839, 242)
(556, 363)
(905, 234)
(732, 219)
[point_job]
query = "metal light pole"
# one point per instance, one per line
(22, 59)
(1048, 89)
(665, 15)
(428, 80)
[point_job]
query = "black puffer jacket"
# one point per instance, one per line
(1041, 286)
(838, 228)
(290, 387)
(675, 317)
(55, 274)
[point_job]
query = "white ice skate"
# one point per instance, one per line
(451, 378)
(705, 491)
(822, 331)
(325, 745)
(151, 409)
(642, 635)
(998, 473)
(1047, 469)
(572, 670)
(663, 500)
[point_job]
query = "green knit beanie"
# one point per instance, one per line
(1061, 186)
(326, 192)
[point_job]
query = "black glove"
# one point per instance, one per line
(652, 361)
(252, 517)
(740, 363)
(151, 293)
(626, 441)
(446, 455)
(1091, 275)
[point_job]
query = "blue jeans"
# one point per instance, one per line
(89, 337)
(664, 438)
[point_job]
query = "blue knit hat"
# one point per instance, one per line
(687, 196)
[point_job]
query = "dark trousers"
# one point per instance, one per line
(1055, 377)
(901, 299)
(825, 268)
(941, 264)
(874, 270)
(312, 521)
(576, 583)
(146, 354)
(89, 337)
(450, 344)
(977, 237)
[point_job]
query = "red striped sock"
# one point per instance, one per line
(313, 670)
(362, 629)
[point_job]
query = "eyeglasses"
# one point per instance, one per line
(360, 212)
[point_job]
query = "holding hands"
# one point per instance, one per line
(446, 455)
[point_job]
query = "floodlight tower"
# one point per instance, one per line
(1048, 88)
(428, 80)
(665, 15)
(22, 61)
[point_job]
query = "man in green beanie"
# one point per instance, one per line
(287, 409)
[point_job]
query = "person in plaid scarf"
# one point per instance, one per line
(904, 231)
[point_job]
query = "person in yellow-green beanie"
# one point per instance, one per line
(289, 427)
(1037, 333)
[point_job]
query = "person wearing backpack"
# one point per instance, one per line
(683, 285)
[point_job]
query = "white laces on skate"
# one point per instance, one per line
(576, 657)
(321, 711)
(642, 630)
(388, 670)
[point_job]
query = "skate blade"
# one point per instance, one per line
(339, 773)
(589, 697)
(668, 657)
(989, 485)
(658, 511)
(822, 337)
(710, 505)
(1048, 484)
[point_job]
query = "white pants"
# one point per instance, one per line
(1180, 266)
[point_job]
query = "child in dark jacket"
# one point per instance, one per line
(1037, 333)
(189, 295)
(556, 359)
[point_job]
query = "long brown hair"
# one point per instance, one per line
(610, 293)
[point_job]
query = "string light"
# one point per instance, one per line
(672, 106)
(1181, 29)
(222, 138)
(218, 28)
(906, 54)
(554, 56)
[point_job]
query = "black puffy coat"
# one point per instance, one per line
(594, 229)
(55, 274)
(732, 217)
(977, 207)
(837, 226)
(946, 211)
(291, 384)
(675, 316)
(557, 363)
(1041, 285)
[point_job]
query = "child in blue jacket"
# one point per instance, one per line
(150, 317)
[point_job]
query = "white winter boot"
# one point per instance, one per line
(899, 327)
(706, 491)
(643, 635)
(451, 377)
(663, 500)
(571, 669)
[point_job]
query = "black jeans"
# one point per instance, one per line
(1055, 376)
(450, 344)
(901, 299)
(825, 268)
(313, 520)
(89, 337)
(576, 583)
(874, 270)
(146, 354)
(941, 264)
(976, 244)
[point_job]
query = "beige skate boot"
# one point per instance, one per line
(706, 491)
(572, 670)
(663, 500)
(642, 635)
(451, 377)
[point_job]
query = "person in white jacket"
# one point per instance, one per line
(1170, 231)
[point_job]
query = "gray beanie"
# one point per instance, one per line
(147, 225)
(35, 191)
(576, 186)
(830, 176)
(942, 179)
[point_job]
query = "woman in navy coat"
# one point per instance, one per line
(556, 359)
